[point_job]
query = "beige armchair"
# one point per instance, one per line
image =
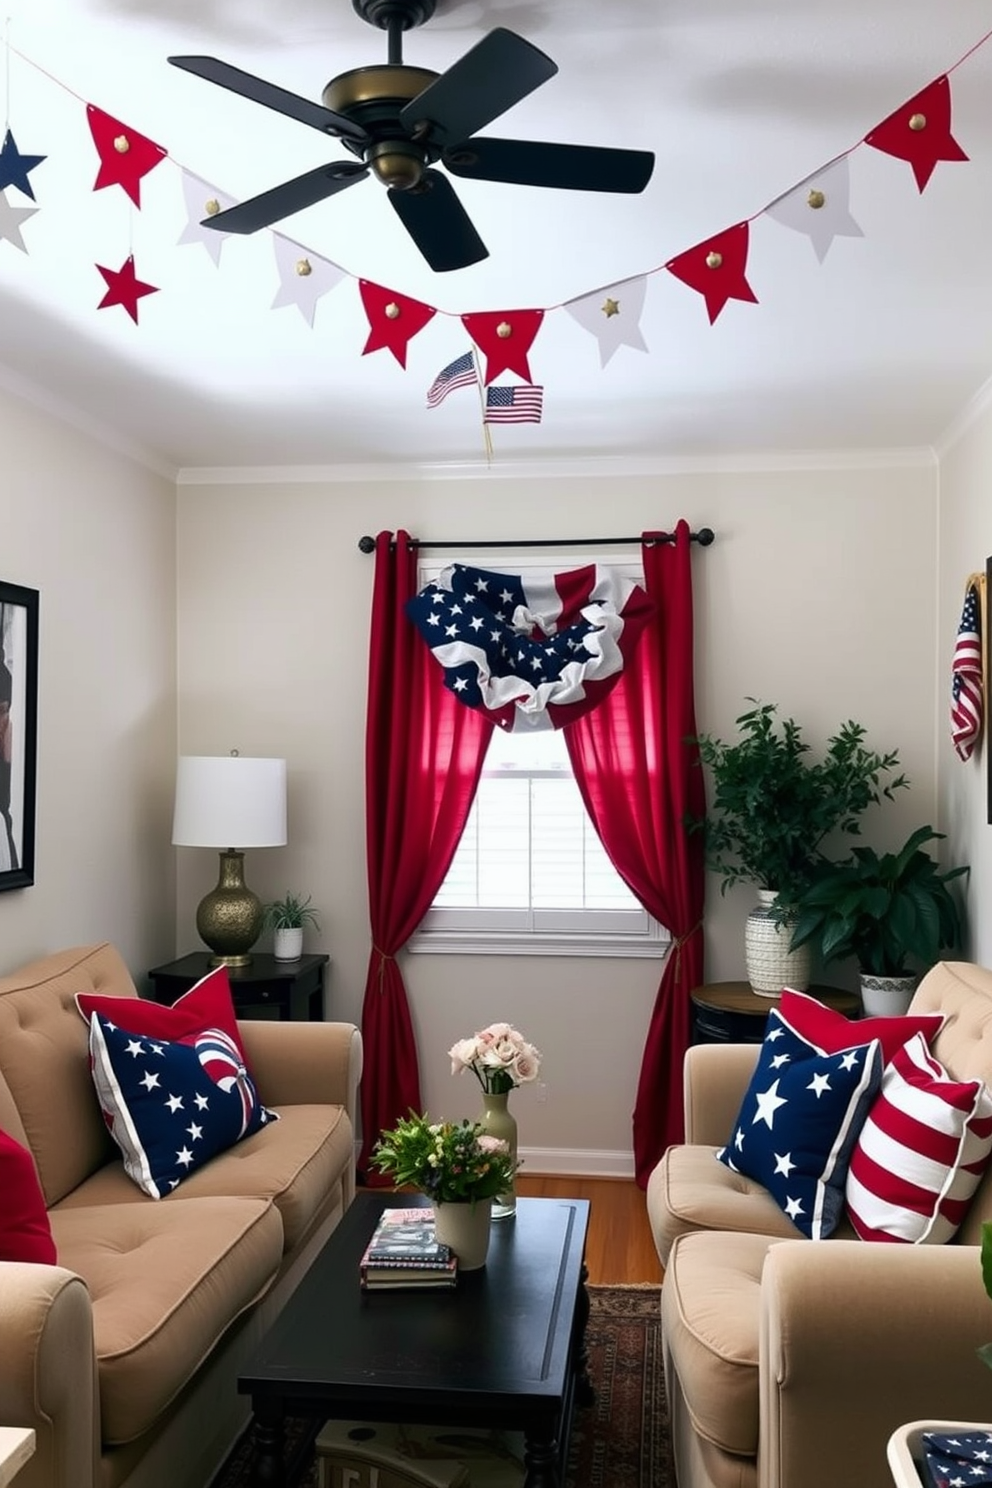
(790, 1362)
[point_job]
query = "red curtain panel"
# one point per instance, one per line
(639, 777)
(423, 757)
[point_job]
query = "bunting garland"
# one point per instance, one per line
(919, 133)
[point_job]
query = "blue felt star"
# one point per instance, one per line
(14, 167)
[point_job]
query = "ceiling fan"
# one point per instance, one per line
(401, 120)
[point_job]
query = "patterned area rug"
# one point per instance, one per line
(622, 1440)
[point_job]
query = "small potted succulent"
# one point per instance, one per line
(287, 917)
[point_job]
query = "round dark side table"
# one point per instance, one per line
(730, 1013)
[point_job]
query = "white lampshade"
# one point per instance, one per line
(228, 801)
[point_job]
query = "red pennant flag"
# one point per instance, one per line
(716, 269)
(394, 319)
(920, 132)
(505, 336)
(125, 155)
(124, 288)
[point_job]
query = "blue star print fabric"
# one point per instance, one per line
(170, 1107)
(799, 1122)
(951, 1461)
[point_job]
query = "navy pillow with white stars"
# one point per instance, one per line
(170, 1107)
(799, 1122)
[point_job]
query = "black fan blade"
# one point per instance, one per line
(439, 224)
(492, 76)
(292, 196)
(531, 163)
(259, 91)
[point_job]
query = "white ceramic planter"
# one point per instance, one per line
(886, 997)
(288, 944)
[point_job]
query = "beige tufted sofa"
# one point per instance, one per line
(124, 1357)
(789, 1362)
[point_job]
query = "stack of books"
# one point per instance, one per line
(405, 1252)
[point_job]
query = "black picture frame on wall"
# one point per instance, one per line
(18, 733)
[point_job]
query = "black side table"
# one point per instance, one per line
(730, 1013)
(292, 991)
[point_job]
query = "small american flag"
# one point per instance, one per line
(966, 678)
(459, 373)
(520, 404)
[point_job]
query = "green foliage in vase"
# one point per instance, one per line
(451, 1162)
(292, 912)
(773, 805)
(892, 912)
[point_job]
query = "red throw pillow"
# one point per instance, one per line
(206, 1005)
(25, 1233)
(832, 1032)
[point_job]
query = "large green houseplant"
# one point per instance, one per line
(772, 804)
(892, 912)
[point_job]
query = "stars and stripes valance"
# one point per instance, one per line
(534, 650)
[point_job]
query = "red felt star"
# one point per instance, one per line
(124, 288)
(506, 336)
(125, 155)
(920, 132)
(716, 269)
(394, 319)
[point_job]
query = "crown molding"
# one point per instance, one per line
(571, 467)
(976, 406)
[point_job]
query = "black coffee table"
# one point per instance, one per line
(504, 1348)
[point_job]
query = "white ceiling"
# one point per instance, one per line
(880, 346)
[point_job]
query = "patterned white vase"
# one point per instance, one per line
(771, 965)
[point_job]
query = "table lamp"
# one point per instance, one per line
(230, 802)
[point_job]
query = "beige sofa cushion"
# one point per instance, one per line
(710, 1312)
(44, 1059)
(297, 1162)
(166, 1281)
(691, 1190)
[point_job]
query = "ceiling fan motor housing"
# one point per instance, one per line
(372, 97)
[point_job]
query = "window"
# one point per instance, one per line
(530, 875)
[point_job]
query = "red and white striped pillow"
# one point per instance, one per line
(921, 1153)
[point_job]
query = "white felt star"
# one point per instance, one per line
(10, 222)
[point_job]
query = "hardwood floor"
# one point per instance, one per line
(619, 1247)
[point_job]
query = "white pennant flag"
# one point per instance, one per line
(612, 315)
(303, 277)
(203, 200)
(819, 207)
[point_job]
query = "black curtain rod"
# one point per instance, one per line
(704, 537)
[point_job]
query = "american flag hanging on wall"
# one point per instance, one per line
(967, 680)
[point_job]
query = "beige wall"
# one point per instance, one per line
(95, 534)
(819, 594)
(965, 543)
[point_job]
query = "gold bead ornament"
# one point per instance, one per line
(714, 260)
(392, 311)
(503, 330)
(918, 122)
(303, 267)
(122, 144)
(816, 199)
(212, 207)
